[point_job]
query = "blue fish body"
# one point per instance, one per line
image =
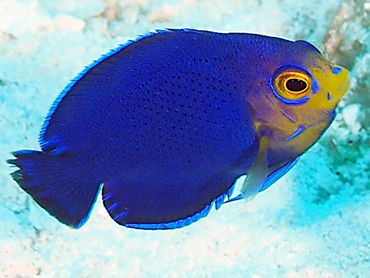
(165, 125)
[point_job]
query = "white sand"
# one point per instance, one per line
(315, 222)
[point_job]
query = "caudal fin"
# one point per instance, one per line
(58, 184)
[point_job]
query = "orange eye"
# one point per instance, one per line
(292, 85)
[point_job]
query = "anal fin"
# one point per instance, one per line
(153, 206)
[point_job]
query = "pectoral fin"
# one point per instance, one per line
(257, 174)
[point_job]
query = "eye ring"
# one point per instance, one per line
(292, 85)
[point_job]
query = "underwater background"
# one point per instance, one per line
(314, 222)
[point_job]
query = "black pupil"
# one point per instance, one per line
(296, 85)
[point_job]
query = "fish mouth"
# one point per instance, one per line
(335, 80)
(342, 81)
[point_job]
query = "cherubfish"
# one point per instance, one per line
(167, 123)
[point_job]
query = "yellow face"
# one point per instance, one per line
(302, 91)
(300, 103)
(295, 85)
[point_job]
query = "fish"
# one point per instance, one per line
(164, 125)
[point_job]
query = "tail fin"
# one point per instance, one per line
(58, 184)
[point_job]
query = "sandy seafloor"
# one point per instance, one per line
(315, 222)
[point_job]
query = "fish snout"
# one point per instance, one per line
(334, 81)
(340, 84)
